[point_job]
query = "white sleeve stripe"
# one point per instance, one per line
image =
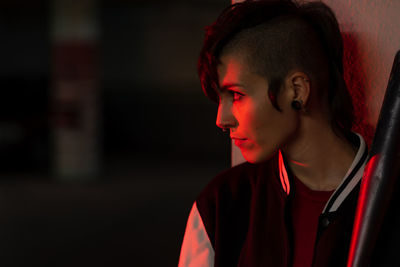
(196, 250)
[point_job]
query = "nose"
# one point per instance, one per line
(225, 118)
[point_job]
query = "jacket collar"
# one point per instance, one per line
(351, 179)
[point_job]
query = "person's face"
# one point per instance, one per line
(256, 127)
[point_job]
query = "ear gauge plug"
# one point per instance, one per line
(297, 104)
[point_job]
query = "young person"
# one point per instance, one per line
(275, 68)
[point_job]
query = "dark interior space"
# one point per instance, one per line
(157, 140)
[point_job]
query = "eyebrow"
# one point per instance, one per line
(230, 85)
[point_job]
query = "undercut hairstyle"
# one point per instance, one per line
(276, 37)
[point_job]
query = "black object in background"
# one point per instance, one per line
(376, 231)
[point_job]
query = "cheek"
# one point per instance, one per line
(272, 127)
(248, 117)
(265, 120)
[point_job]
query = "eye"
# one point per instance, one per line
(236, 95)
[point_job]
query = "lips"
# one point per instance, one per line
(239, 141)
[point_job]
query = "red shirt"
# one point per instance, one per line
(307, 205)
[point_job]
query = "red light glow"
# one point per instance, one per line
(361, 206)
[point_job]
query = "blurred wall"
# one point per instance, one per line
(153, 104)
(158, 136)
(373, 27)
(24, 77)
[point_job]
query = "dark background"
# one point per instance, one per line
(158, 143)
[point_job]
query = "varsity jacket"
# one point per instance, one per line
(242, 218)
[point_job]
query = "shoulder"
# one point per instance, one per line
(231, 181)
(238, 182)
(227, 200)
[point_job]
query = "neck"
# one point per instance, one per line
(319, 158)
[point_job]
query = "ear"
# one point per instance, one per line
(300, 86)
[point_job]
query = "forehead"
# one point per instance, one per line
(233, 68)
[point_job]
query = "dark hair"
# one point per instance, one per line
(296, 36)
